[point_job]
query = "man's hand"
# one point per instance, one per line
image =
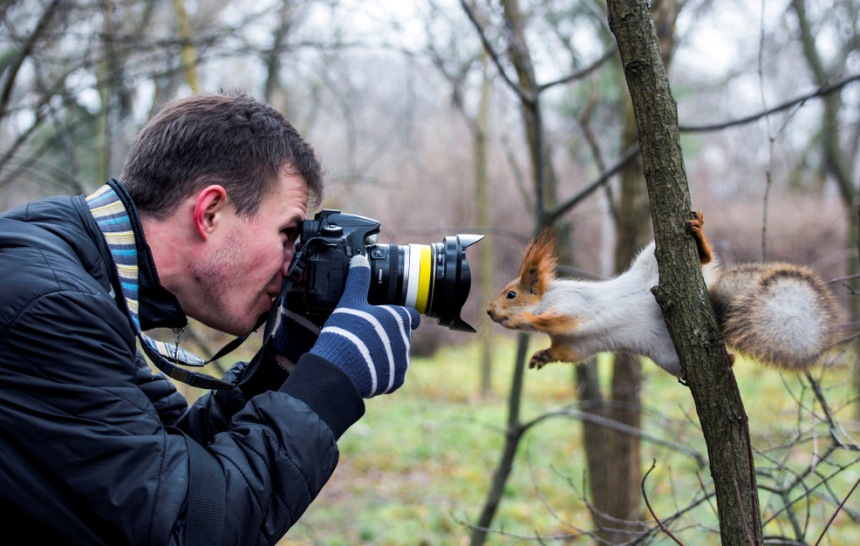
(370, 343)
(295, 331)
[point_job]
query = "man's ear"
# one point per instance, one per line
(210, 205)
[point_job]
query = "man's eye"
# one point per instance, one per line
(289, 236)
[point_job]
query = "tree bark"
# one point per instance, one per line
(513, 434)
(482, 203)
(633, 228)
(633, 232)
(682, 294)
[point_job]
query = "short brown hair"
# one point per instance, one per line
(228, 139)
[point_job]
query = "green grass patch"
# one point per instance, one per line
(416, 469)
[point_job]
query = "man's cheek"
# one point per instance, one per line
(288, 259)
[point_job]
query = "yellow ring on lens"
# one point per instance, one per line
(426, 268)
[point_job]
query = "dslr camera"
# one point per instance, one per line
(434, 279)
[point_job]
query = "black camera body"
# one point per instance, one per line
(435, 278)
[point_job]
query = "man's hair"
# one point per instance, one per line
(229, 139)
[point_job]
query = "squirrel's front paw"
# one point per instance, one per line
(541, 359)
(694, 227)
(695, 221)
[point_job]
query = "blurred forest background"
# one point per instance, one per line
(439, 117)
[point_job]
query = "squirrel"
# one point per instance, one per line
(777, 313)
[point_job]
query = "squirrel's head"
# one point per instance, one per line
(537, 270)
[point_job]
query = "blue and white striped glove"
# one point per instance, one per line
(295, 331)
(370, 343)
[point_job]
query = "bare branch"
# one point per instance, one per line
(824, 90)
(621, 427)
(651, 510)
(495, 56)
(26, 48)
(579, 74)
(628, 155)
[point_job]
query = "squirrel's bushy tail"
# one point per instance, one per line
(780, 314)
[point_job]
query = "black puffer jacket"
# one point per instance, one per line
(93, 444)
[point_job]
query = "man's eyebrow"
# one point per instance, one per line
(294, 221)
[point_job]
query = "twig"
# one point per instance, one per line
(821, 91)
(828, 414)
(651, 510)
(488, 47)
(620, 427)
(838, 509)
(628, 155)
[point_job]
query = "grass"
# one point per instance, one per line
(416, 469)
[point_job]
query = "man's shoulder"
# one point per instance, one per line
(43, 256)
(32, 251)
(53, 224)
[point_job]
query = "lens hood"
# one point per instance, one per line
(453, 281)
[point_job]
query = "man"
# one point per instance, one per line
(94, 447)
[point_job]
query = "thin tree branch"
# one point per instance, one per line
(825, 89)
(621, 427)
(651, 510)
(579, 74)
(26, 48)
(628, 155)
(495, 56)
(835, 513)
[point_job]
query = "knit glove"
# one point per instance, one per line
(295, 331)
(370, 343)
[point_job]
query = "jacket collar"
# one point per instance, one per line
(159, 307)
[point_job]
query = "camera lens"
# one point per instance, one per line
(434, 279)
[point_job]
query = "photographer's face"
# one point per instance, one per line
(249, 257)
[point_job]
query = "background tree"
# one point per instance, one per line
(839, 142)
(456, 66)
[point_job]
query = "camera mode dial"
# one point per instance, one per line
(331, 230)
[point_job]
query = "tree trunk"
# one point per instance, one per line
(188, 54)
(597, 451)
(530, 105)
(273, 89)
(633, 229)
(531, 116)
(482, 200)
(682, 294)
(513, 434)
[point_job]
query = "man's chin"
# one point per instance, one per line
(237, 327)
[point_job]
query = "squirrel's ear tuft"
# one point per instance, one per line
(538, 266)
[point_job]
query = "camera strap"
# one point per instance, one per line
(113, 220)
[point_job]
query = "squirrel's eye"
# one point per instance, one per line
(512, 294)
